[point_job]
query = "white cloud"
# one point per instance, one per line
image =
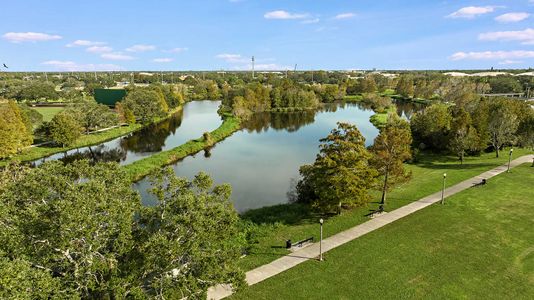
(71, 66)
(510, 62)
(84, 43)
(526, 37)
(232, 58)
(163, 60)
(141, 48)
(470, 12)
(99, 49)
(503, 55)
(116, 56)
(284, 15)
(512, 17)
(345, 16)
(19, 37)
(176, 50)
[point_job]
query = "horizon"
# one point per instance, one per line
(219, 35)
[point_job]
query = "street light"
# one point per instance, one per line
(443, 189)
(321, 221)
(510, 159)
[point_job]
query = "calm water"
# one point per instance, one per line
(262, 160)
(196, 118)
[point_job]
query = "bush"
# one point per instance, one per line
(64, 130)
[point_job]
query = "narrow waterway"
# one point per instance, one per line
(189, 123)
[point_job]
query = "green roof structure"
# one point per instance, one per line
(109, 97)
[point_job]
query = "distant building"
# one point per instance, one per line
(109, 97)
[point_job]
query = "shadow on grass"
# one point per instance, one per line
(465, 166)
(288, 214)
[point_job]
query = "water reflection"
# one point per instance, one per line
(261, 161)
(406, 109)
(196, 118)
(152, 138)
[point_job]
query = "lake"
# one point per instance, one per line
(261, 162)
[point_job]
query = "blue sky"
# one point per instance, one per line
(72, 35)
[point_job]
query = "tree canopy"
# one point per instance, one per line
(341, 174)
(79, 231)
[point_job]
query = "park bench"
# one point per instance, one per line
(289, 245)
(481, 183)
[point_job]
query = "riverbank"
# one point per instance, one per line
(34, 153)
(144, 167)
(294, 221)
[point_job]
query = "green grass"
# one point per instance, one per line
(84, 141)
(295, 222)
(479, 245)
(48, 112)
(380, 119)
(353, 98)
(141, 168)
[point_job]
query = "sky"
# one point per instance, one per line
(98, 35)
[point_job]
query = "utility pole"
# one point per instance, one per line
(253, 67)
(96, 77)
(46, 76)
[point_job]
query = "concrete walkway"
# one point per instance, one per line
(312, 252)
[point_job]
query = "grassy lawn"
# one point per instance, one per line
(48, 112)
(479, 245)
(292, 221)
(380, 119)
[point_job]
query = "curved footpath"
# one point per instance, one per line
(312, 252)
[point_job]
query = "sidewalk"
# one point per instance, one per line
(312, 252)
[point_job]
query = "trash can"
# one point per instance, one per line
(288, 244)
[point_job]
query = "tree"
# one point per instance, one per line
(431, 126)
(64, 130)
(390, 150)
(526, 132)
(36, 90)
(368, 84)
(14, 131)
(464, 136)
(125, 114)
(146, 104)
(73, 223)
(34, 117)
(405, 86)
(189, 240)
(79, 231)
(341, 174)
(502, 125)
(91, 115)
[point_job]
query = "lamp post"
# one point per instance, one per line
(510, 159)
(321, 221)
(443, 189)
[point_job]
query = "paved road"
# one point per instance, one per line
(312, 252)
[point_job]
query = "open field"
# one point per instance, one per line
(477, 245)
(295, 222)
(48, 112)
